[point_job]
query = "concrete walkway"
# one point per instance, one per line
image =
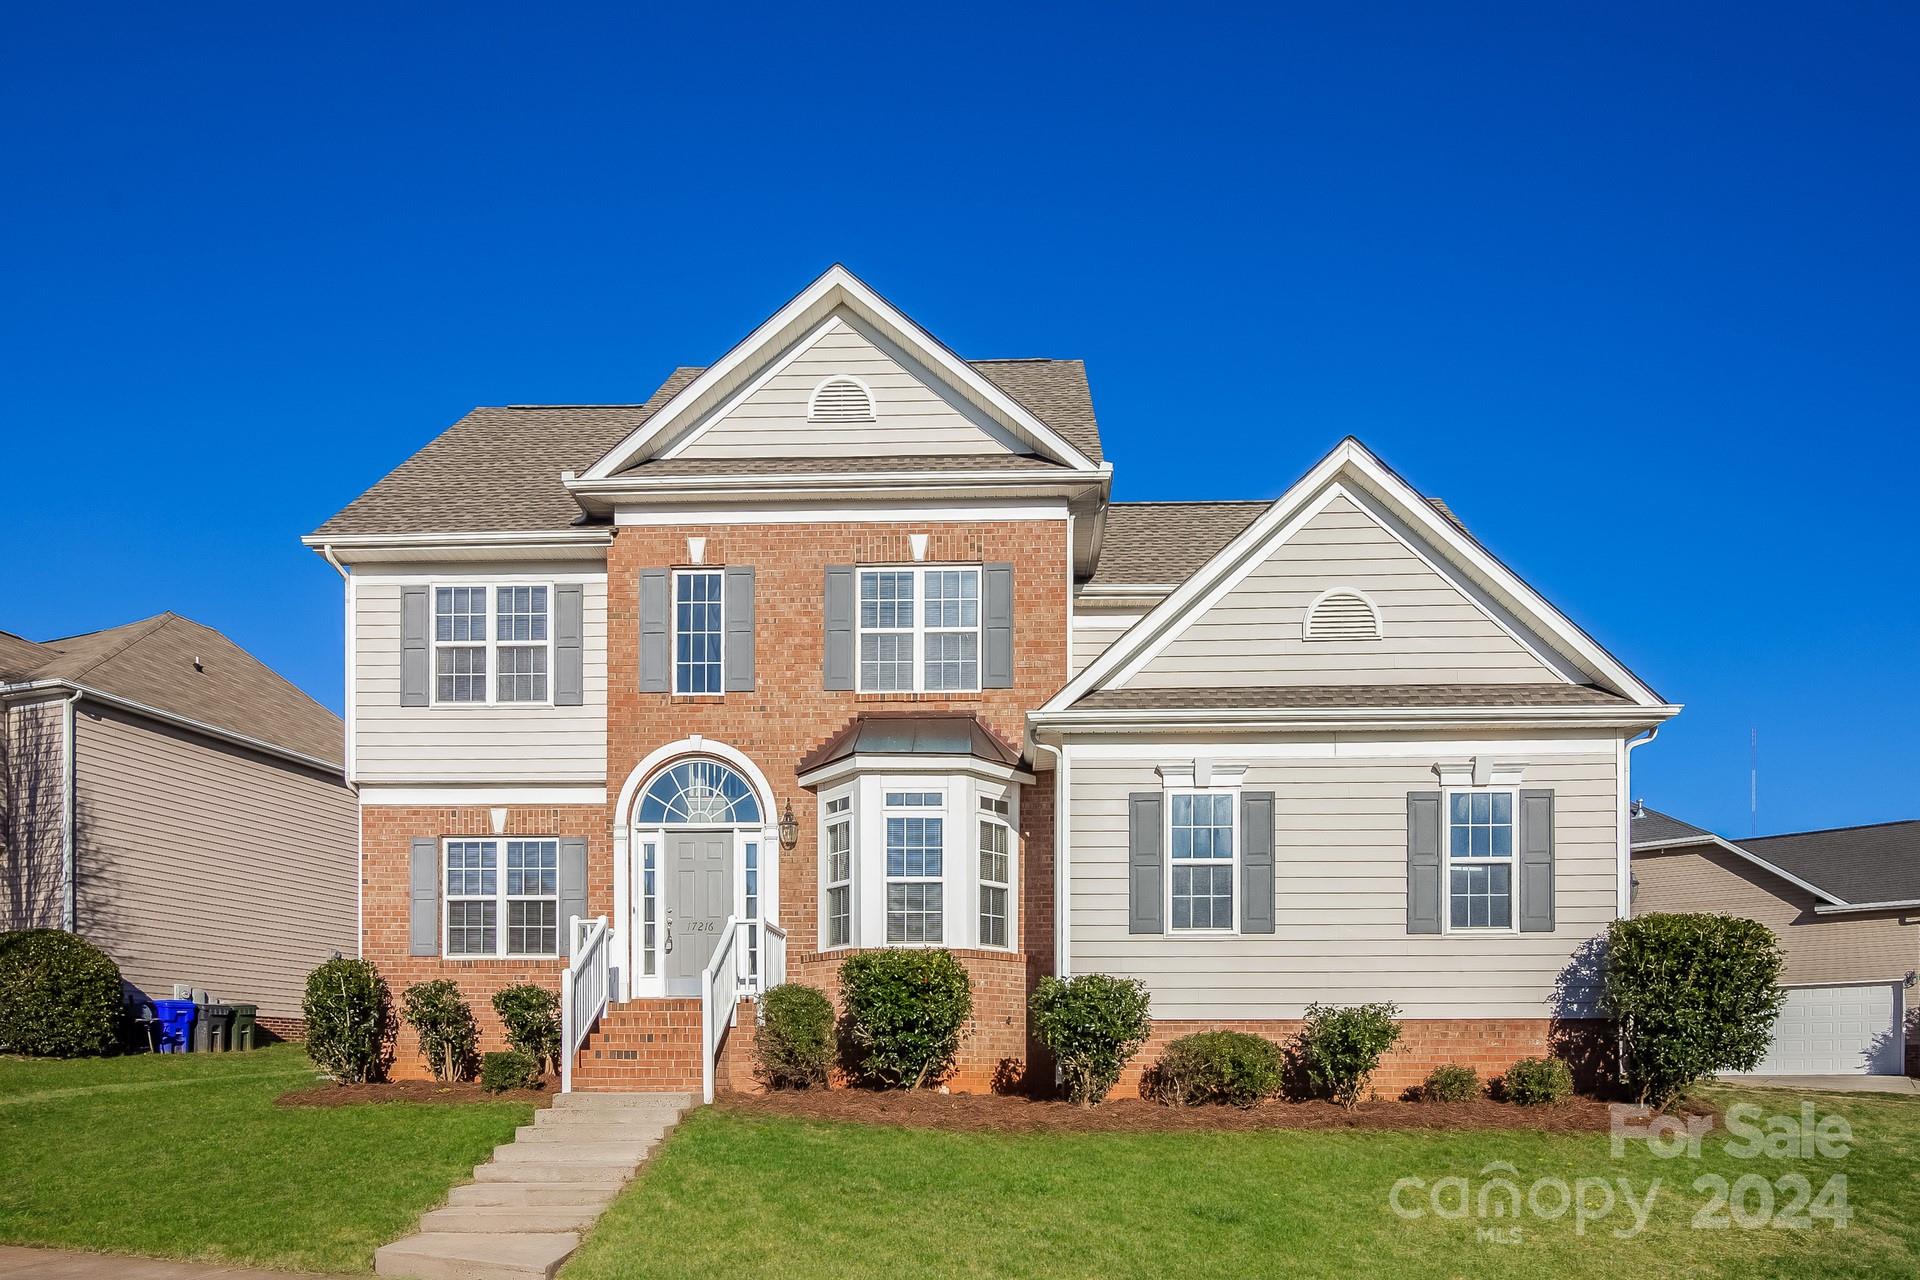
(59, 1264)
(1830, 1084)
(527, 1208)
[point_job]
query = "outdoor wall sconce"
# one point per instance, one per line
(789, 829)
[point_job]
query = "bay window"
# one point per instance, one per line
(839, 871)
(996, 839)
(916, 860)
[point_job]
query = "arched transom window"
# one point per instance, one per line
(701, 792)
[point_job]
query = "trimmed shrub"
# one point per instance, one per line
(1217, 1066)
(510, 1069)
(349, 1021)
(1692, 995)
(531, 1015)
(1533, 1082)
(1338, 1050)
(59, 995)
(905, 1010)
(1091, 1024)
(1451, 1083)
(444, 1022)
(793, 1048)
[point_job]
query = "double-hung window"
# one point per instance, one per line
(919, 630)
(1480, 859)
(996, 844)
(1202, 859)
(840, 871)
(491, 644)
(697, 630)
(491, 883)
(916, 861)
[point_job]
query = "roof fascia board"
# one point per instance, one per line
(1654, 846)
(837, 286)
(484, 538)
(1359, 718)
(9, 691)
(1902, 904)
(872, 762)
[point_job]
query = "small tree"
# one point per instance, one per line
(1692, 995)
(1091, 1024)
(1339, 1049)
(905, 1011)
(444, 1022)
(349, 1021)
(531, 1015)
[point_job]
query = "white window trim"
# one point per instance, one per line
(847, 818)
(944, 812)
(673, 629)
(1233, 864)
(980, 883)
(920, 630)
(500, 898)
(492, 646)
(1446, 866)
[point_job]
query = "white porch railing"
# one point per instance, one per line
(584, 988)
(773, 956)
(719, 1000)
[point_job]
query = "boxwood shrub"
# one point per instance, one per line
(510, 1069)
(1533, 1082)
(60, 995)
(1230, 1067)
(531, 1015)
(349, 1021)
(1338, 1049)
(443, 1021)
(1092, 1025)
(1692, 995)
(905, 1011)
(793, 1048)
(1451, 1082)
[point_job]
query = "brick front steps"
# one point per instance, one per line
(527, 1208)
(642, 1045)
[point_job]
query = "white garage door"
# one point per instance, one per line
(1834, 1031)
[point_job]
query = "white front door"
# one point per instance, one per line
(1833, 1031)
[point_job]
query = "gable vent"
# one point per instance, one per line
(841, 399)
(1342, 615)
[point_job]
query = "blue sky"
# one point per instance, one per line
(1634, 292)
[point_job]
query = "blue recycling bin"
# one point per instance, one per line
(176, 1024)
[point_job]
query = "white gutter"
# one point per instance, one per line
(1825, 909)
(69, 868)
(349, 588)
(493, 538)
(805, 481)
(1623, 846)
(1062, 864)
(1568, 717)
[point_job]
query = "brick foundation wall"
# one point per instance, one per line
(283, 1028)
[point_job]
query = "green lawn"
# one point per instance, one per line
(735, 1195)
(187, 1157)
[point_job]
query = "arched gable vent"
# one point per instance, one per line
(1342, 614)
(840, 399)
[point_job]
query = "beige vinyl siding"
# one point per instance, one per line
(1853, 948)
(211, 865)
(1431, 632)
(1340, 879)
(1093, 631)
(467, 743)
(33, 787)
(911, 415)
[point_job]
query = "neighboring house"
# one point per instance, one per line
(1845, 904)
(182, 807)
(841, 642)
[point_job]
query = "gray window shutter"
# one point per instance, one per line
(1536, 861)
(573, 887)
(1423, 862)
(1256, 862)
(569, 644)
(996, 666)
(654, 667)
(738, 608)
(1146, 901)
(415, 617)
(839, 636)
(423, 924)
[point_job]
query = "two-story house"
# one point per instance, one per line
(840, 642)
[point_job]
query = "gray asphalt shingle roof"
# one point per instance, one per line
(1875, 863)
(1653, 827)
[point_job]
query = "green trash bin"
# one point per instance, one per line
(210, 1029)
(240, 1035)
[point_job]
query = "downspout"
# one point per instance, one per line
(346, 746)
(1624, 905)
(1062, 866)
(69, 870)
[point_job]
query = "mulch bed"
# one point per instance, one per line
(998, 1113)
(353, 1095)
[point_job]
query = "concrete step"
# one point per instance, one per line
(580, 1153)
(476, 1255)
(556, 1168)
(606, 1119)
(528, 1195)
(593, 1131)
(601, 1101)
(517, 1219)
